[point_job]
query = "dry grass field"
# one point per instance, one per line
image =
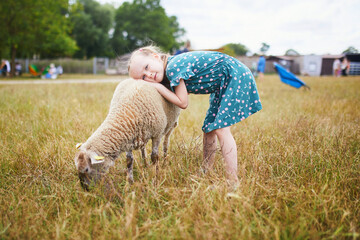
(299, 163)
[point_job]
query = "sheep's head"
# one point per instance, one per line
(90, 168)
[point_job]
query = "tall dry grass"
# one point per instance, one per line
(298, 161)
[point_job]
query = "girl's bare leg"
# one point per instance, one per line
(209, 149)
(229, 153)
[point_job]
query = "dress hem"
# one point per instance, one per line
(243, 117)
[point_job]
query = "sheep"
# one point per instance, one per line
(137, 113)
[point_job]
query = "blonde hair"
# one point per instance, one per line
(151, 50)
(148, 50)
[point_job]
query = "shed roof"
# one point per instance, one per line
(328, 56)
(353, 57)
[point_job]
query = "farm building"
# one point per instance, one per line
(249, 61)
(285, 61)
(328, 60)
(311, 65)
(354, 59)
(327, 63)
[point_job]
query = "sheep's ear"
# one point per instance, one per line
(97, 159)
(78, 145)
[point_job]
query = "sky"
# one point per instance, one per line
(307, 26)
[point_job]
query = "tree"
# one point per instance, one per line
(142, 22)
(92, 23)
(235, 49)
(264, 48)
(34, 27)
(291, 52)
(350, 49)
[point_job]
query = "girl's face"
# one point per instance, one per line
(149, 68)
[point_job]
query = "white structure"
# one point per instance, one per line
(312, 65)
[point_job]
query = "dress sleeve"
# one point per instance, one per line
(178, 70)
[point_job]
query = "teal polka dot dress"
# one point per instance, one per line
(234, 95)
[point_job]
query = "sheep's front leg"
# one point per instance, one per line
(166, 140)
(155, 150)
(129, 164)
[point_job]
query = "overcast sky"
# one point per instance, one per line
(307, 26)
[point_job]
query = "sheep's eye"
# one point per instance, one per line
(146, 67)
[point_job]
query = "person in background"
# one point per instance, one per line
(50, 72)
(5, 67)
(254, 68)
(337, 68)
(345, 66)
(18, 69)
(184, 49)
(261, 67)
(59, 70)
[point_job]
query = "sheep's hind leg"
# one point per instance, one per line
(129, 164)
(155, 150)
(155, 156)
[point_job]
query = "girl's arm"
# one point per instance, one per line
(179, 98)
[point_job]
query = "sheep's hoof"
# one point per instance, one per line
(154, 158)
(131, 179)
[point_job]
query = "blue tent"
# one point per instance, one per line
(288, 77)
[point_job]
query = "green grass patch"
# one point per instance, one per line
(298, 162)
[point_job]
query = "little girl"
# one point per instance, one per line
(233, 98)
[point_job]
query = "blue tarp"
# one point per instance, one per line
(288, 77)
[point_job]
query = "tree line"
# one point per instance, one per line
(83, 28)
